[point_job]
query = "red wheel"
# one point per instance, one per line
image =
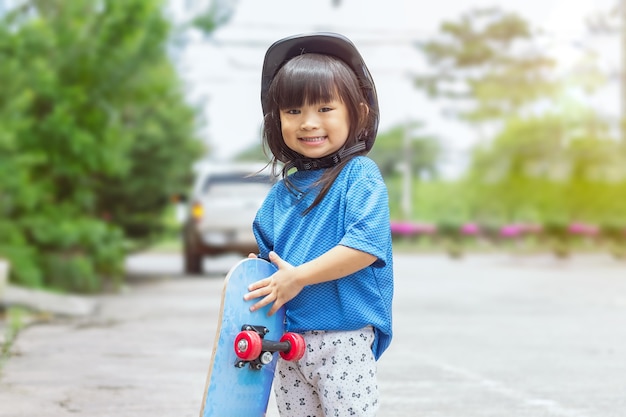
(298, 346)
(248, 345)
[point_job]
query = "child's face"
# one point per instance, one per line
(315, 131)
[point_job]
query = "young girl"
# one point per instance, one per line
(325, 226)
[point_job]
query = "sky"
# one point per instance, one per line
(222, 71)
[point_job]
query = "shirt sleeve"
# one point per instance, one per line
(367, 219)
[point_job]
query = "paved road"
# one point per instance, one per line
(499, 336)
(483, 336)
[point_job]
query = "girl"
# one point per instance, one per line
(325, 225)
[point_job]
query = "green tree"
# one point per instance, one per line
(405, 155)
(95, 136)
(612, 23)
(159, 160)
(407, 144)
(549, 167)
(486, 61)
(551, 156)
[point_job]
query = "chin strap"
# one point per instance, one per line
(310, 164)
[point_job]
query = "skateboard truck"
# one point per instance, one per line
(252, 348)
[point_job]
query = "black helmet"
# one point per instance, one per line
(326, 43)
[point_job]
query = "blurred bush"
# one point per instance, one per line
(95, 137)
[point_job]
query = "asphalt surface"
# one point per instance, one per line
(488, 335)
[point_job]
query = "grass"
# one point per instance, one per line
(14, 320)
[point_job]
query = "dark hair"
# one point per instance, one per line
(311, 79)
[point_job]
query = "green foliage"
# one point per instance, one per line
(218, 13)
(254, 153)
(22, 255)
(406, 144)
(551, 160)
(15, 318)
(485, 58)
(95, 137)
(158, 162)
(545, 167)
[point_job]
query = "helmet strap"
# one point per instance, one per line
(311, 164)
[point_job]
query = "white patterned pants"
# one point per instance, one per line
(335, 377)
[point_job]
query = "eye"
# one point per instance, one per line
(325, 109)
(291, 111)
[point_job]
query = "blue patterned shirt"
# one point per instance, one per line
(355, 214)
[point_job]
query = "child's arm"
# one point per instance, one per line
(285, 284)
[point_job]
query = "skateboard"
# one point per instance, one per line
(246, 344)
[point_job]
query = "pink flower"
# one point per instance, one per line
(470, 229)
(511, 230)
(411, 229)
(583, 229)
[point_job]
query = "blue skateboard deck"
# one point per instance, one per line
(231, 391)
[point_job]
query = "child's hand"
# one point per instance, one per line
(278, 288)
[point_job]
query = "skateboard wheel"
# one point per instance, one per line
(297, 347)
(248, 345)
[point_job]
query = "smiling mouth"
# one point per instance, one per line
(315, 139)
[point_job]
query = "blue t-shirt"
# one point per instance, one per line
(354, 213)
